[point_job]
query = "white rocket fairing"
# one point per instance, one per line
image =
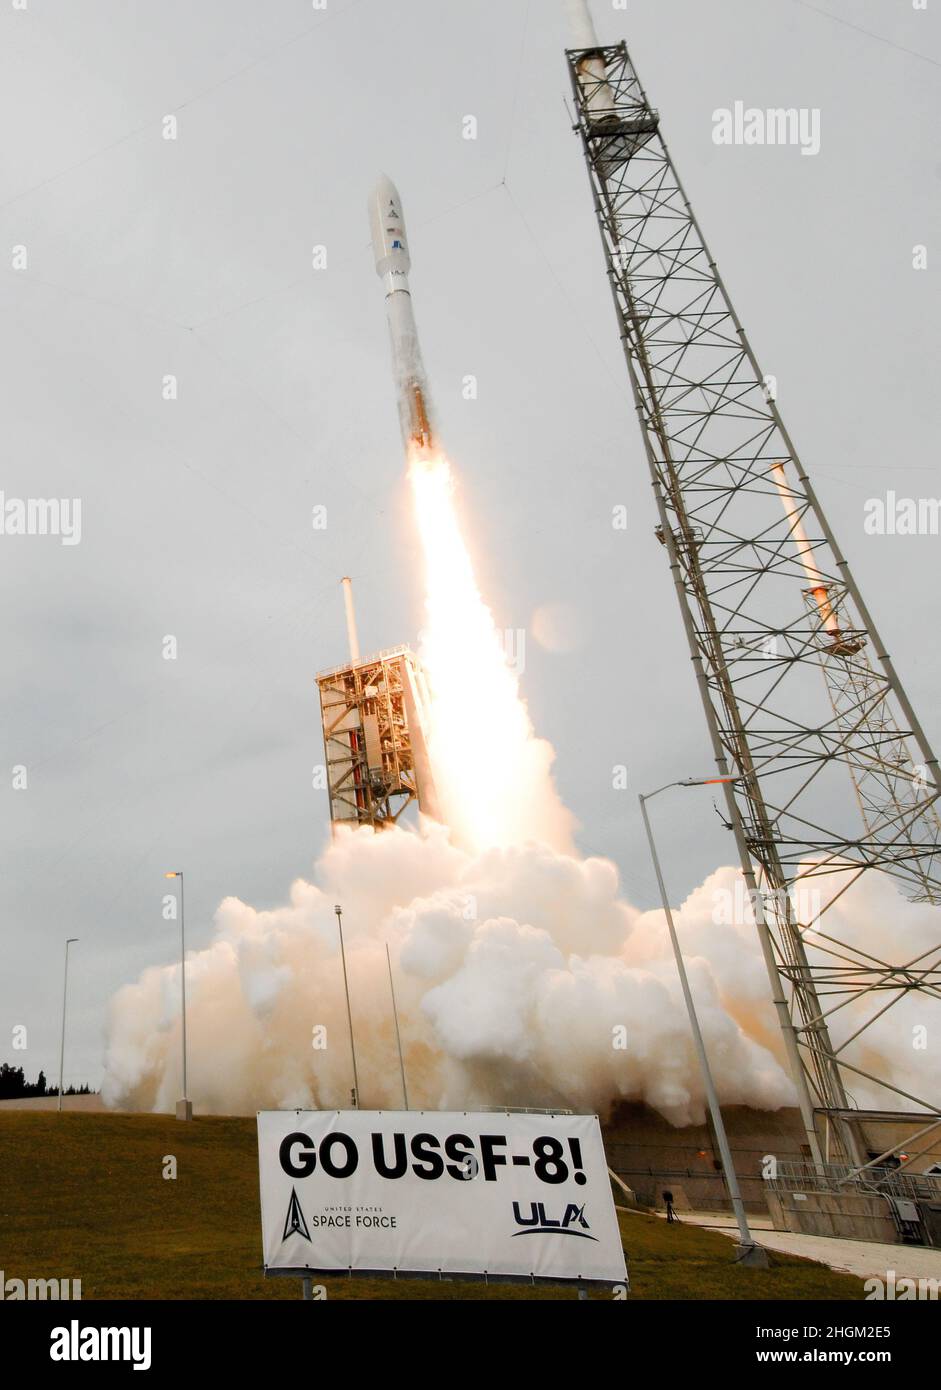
(393, 263)
(581, 24)
(591, 69)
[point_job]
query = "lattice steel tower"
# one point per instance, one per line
(801, 700)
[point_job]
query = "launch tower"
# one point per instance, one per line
(801, 699)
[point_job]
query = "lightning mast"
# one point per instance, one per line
(801, 699)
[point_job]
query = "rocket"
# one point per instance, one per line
(393, 263)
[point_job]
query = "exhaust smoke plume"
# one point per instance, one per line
(521, 976)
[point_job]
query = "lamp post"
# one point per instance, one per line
(184, 1107)
(65, 992)
(398, 1036)
(349, 1012)
(748, 1253)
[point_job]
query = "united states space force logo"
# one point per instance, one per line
(294, 1223)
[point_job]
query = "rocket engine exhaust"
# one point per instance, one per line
(393, 262)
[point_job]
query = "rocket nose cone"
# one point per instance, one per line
(387, 225)
(385, 191)
(384, 204)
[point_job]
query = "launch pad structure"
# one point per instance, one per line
(374, 713)
(803, 705)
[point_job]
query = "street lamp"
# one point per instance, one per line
(184, 1107)
(65, 991)
(748, 1253)
(398, 1035)
(349, 1012)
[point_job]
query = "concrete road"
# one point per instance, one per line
(867, 1259)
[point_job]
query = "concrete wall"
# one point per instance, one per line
(651, 1155)
(851, 1215)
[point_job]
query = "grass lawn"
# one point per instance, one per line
(83, 1196)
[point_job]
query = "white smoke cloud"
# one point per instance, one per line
(521, 978)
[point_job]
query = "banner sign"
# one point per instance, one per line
(428, 1192)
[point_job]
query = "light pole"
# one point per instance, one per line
(184, 1107)
(349, 1012)
(398, 1036)
(748, 1253)
(65, 991)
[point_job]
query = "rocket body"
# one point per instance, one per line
(591, 68)
(393, 263)
(581, 24)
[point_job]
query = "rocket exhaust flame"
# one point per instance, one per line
(491, 771)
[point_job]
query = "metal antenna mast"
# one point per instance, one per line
(801, 699)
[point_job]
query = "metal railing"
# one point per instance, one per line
(386, 654)
(521, 1110)
(797, 1176)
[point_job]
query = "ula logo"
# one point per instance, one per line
(537, 1223)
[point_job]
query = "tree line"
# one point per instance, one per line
(14, 1086)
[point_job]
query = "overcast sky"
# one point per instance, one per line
(192, 257)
